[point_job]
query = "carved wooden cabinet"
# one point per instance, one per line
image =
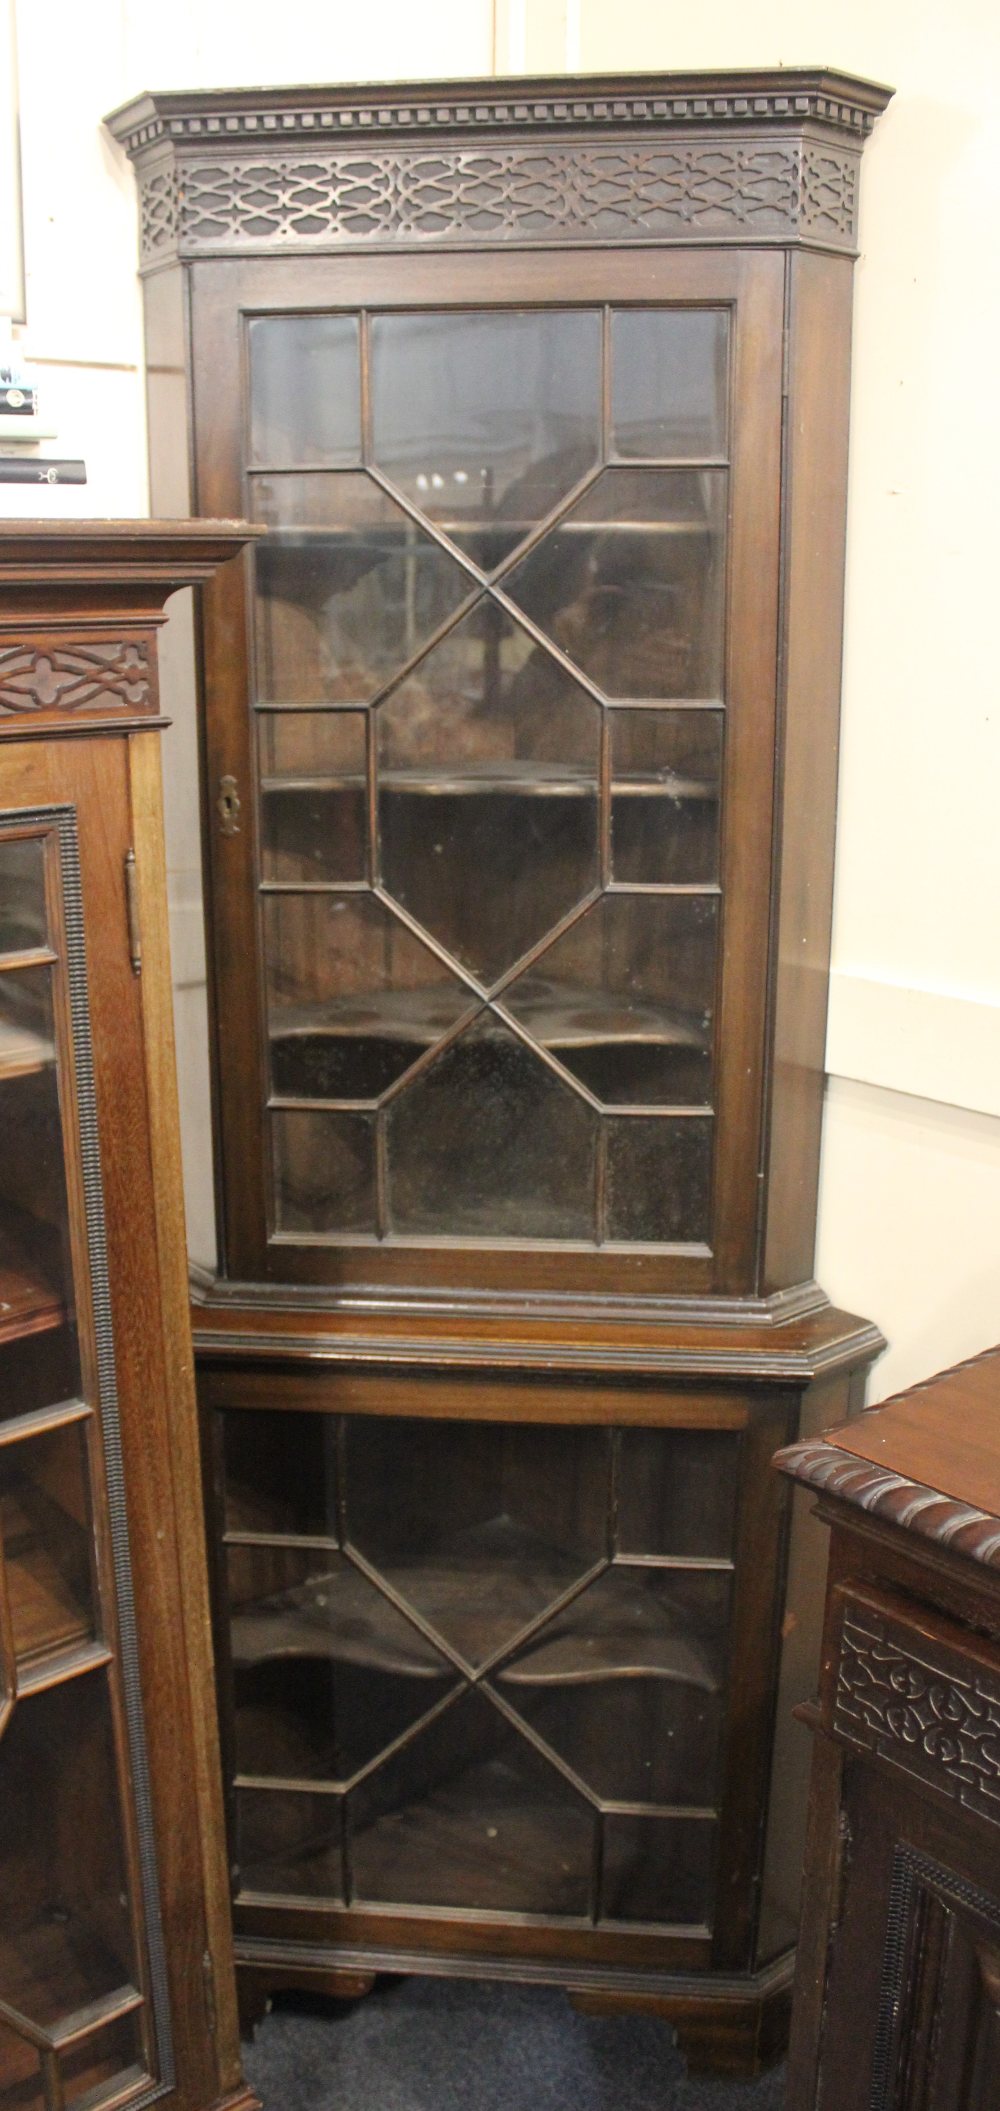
(115, 1951)
(897, 1993)
(519, 736)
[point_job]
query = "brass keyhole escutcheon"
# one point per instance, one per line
(227, 806)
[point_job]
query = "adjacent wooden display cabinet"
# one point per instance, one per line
(116, 1982)
(897, 1991)
(519, 743)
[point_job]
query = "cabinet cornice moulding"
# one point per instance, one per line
(677, 158)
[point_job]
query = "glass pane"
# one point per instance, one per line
(677, 1492)
(305, 389)
(353, 997)
(35, 1292)
(486, 421)
(488, 807)
(324, 1172)
(659, 1869)
(26, 1030)
(105, 2064)
(20, 2074)
(666, 780)
(658, 1180)
(625, 998)
(486, 1141)
(468, 1814)
(314, 815)
(626, 1684)
(487, 1524)
(280, 1473)
(289, 1845)
(669, 381)
(23, 914)
(630, 582)
(42, 1370)
(65, 1930)
(46, 1532)
(327, 1673)
(349, 588)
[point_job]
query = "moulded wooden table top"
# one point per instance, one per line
(928, 1459)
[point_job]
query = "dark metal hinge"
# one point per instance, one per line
(132, 912)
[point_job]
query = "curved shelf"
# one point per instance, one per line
(618, 1630)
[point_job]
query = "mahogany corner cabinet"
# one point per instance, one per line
(519, 746)
(116, 1977)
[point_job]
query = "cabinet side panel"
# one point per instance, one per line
(798, 1672)
(811, 641)
(172, 497)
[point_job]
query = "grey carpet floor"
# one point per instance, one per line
(454, 2045)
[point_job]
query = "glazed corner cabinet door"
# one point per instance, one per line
(115, 1954)
(519, 736)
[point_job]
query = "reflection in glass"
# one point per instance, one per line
(313, 795)
(467, 1813)
(677, 1492)
(669, 372)
(624, 998)
(66, 1937)
(26, 1029)
(324, 1172)
(280, 1473)
(104, 2064)
(326, 1672)
(20, 2073)
(486, 421)
(625, 1684)
(488, 771)
(348, 588)
(488, 1141)
(46, 1537)
(23, 914)
(658, 1179)
(35, 1284)
(305, 390)
(489, 1523)
(353, 997)
(289, 1845)
(666, 782)
(658, 1870)
(630, 582)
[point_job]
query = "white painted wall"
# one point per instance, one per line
(910, 1207)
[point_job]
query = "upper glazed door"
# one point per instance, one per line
(503, 686)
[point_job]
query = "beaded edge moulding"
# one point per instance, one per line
(683, 159)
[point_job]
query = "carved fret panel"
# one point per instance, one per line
(920, 1707)
(45, 676)
(681, 191)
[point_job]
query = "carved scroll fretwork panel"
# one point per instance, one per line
(42, 675)
(920, 1707)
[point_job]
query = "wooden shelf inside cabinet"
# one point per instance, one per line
(30, 1257)
(47, 1556)
(62, 1976)
(23, 1052)
(522, 780)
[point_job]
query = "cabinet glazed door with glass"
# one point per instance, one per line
(82, 2020)
(496, 704)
